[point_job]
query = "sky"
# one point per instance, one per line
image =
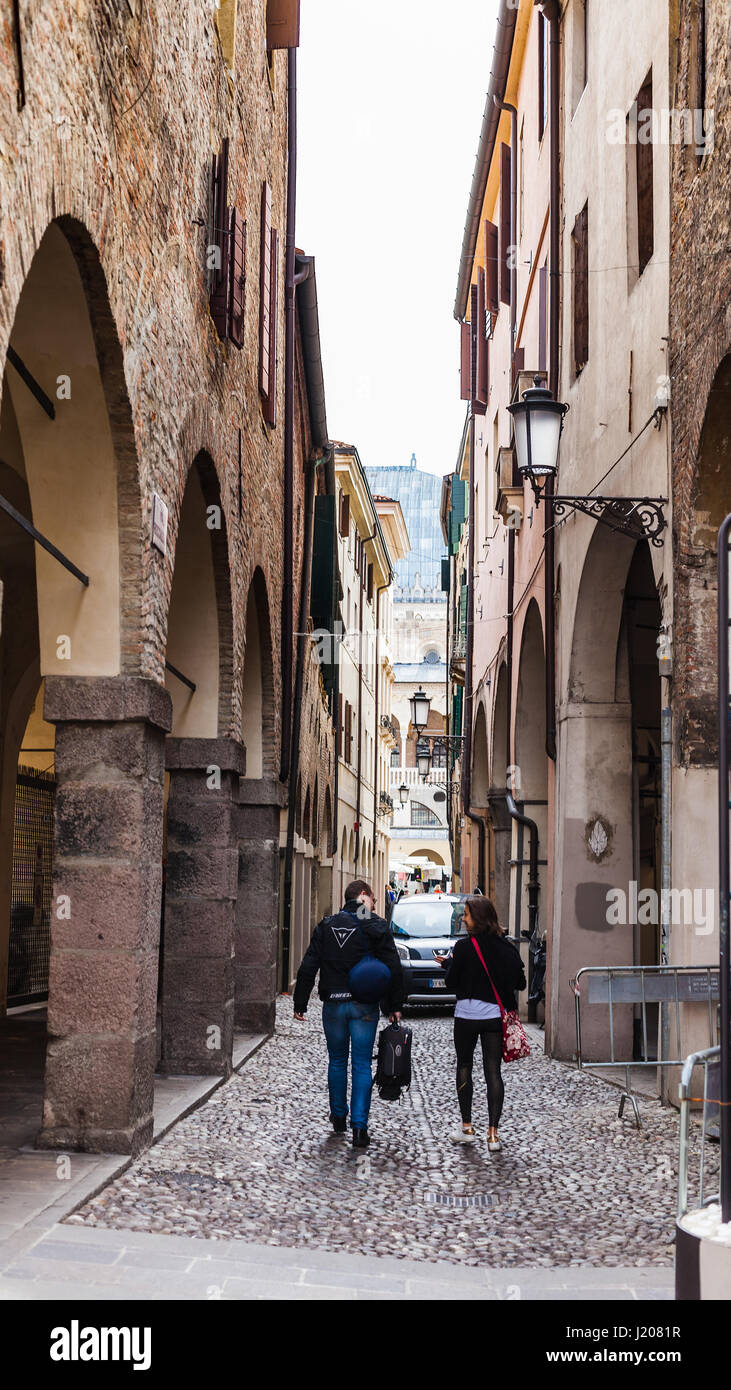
(390, 101)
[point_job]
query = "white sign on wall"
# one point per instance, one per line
(159, 523)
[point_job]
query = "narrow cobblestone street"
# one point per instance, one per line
(257, 1162)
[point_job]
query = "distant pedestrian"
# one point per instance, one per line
(477, 1011)
(359, 966)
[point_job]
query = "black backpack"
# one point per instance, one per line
(393, 1071)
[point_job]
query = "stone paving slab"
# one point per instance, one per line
(574, 1185)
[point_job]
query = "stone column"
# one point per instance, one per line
(257, 816)
(200, 903)
(105, 916)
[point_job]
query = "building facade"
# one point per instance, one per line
(419, 834)
(371, 537)
(582, 629)
(160, 422)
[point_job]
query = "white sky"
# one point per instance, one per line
(391, 95)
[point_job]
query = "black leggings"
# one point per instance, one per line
(490, 1033)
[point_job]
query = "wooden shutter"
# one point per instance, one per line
(340, 723)
(542, 83)
(482, 383)
(370, 583)
(265, 294)
(518, 363)
(238, 279)
(473, 345)
(344, 526)
(644, 156)
(492, 256)
(464, 362)
(505, 230)
(220, 239)
(283, 24)
(542, 307)
(580, 241)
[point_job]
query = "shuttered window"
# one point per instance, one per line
(482, 381)
(283, 24)
(344, 518)
(219, 243)
(268, 308)
(644, 155)
(464, 362)
(492, 256)
(340, 724)
(580, 244)
(370, 582)
(238, 279)
(505, 224)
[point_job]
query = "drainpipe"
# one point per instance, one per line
(467, 713)
(552, 14)
(288, 497)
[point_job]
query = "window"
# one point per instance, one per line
(344, 517)
(395, 758)
(580, 249)
(439, 753)
(697, 71)
(432, 656)
(542, 74)
(422, 815)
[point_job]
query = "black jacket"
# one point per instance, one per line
(466, 976)
(337, 944)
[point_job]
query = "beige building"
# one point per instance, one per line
(371, 537)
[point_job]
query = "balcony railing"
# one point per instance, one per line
(459, 646)
(410, 775)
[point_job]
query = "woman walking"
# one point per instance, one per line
(483, 962)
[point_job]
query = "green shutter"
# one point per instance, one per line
(445, 576)
(457, 512)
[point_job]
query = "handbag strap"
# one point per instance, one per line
(489, 976)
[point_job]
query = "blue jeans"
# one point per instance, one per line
(345, 1022)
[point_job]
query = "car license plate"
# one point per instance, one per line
(438, 984)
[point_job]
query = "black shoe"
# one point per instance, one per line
(361, 1139)
(339, 1123)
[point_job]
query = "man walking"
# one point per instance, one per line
(354, 937)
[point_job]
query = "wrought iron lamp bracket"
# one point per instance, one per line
(642, 518)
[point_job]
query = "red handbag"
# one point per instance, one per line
(515, 1042)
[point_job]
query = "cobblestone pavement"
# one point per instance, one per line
(573, 1185)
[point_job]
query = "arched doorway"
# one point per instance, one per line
(609, 780)
(530, 778)
(258, 814)
(86, 729)
(203, 764)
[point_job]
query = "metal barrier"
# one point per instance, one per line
(709, 1059)
(642, 985)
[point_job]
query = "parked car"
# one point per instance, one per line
(423, 925)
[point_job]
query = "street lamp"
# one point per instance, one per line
(420, 705)
(403, 794)
(537, 425)
(423, 761)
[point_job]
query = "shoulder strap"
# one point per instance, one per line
(487, 972)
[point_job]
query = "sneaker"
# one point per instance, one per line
(493, 1144)
(464, 1136)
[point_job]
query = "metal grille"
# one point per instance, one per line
(446, 1199)
(30, 910)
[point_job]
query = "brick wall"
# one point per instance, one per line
(700, 337)
(122, 114)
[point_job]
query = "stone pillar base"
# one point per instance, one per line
(257, 818)
(200, 900)
(105, 917)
